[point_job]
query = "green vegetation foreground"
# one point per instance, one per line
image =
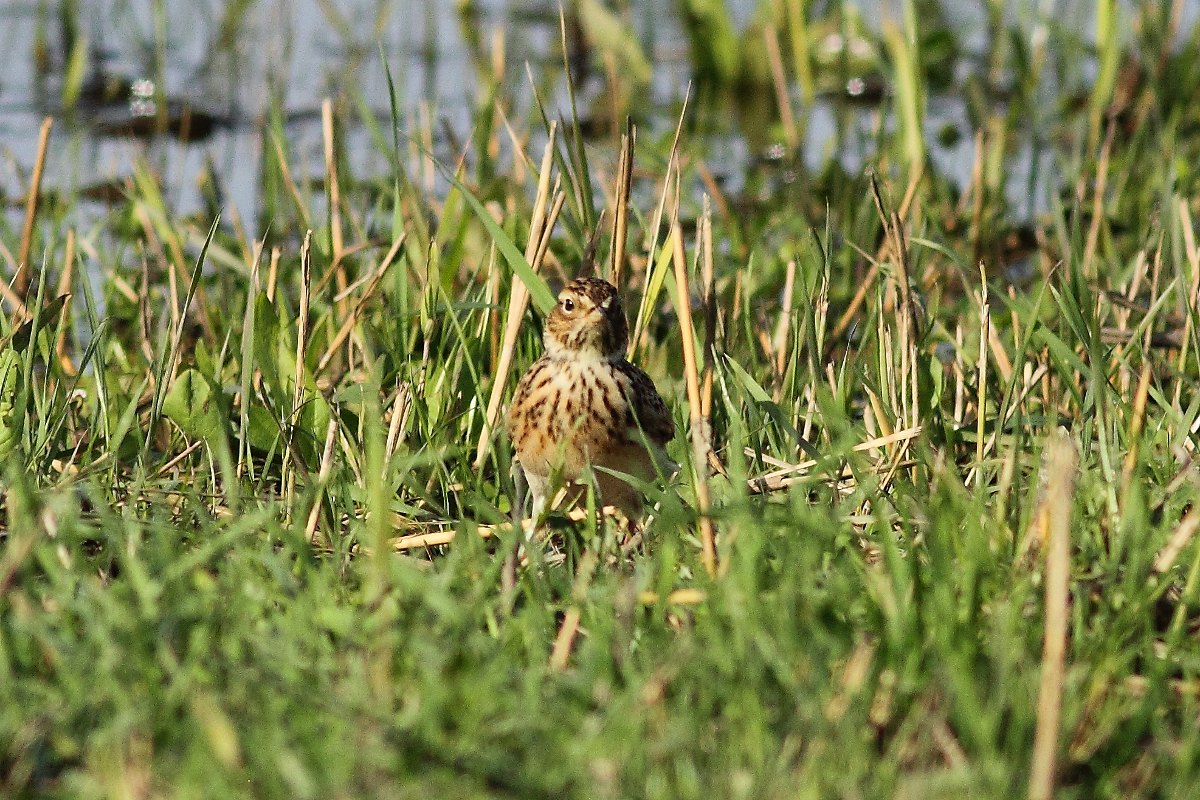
(257, 506)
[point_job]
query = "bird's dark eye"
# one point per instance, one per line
(568, 305)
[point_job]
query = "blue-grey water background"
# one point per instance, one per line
(293, 46)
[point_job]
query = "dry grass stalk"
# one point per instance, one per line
(551, 220)
(1030, 382)
(570, 626)
(20, 311)
(779, 79)
(518, 301)
(251, 377)
(856, 302)
(896, 238)
(423, 151)
(273, 273)
(446, 535)
(879, 419)
(637, 334)
(520, 159)
(561, 653)
(301, 349)
(62, 352)
(683, 307)
(680, 597)
(792, 474)
(239, 233)
(979, 194)
(705, 243)
(621, 216)
(178, 459)
(142, 297)
(1059, 468)
(1093, 237)
(337, 244)
(401, 404)
(783, 326)
(416, 541)
(347, 326)
(1182, 534)
(1003, 363)
(854, 675)
(314, 513)
(21, 281)
(1193, 255)
(285, 172)
(710, 309)
(855, 306)
(1135, 428)
(981, 369)
(713, 190)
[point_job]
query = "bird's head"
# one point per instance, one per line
(588, 322)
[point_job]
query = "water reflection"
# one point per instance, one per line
(188, 84)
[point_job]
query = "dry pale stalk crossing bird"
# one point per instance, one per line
(584, 404)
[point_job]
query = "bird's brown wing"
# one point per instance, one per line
(646, 409)
(517, 418)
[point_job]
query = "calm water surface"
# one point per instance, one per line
(310, 52)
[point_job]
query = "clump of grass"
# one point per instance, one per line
(933, 534)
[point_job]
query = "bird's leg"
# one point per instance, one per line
(520, 489)
(539, 488)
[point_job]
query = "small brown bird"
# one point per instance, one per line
(582, 403)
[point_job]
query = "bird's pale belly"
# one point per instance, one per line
(573, 415)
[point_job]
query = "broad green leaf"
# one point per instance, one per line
(269, 339)
(191, 404)
(264, 432)
(312, 423)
